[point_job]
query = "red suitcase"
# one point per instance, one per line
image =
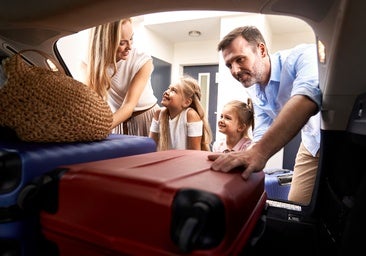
(161, 203)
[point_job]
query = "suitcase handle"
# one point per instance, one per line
(41, 193)
(10, 171)
(271, 171)
(284, 180)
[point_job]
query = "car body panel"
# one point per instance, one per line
(324, 226)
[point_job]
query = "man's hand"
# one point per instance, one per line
(250, 159)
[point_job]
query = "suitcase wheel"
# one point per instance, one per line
(198, 220)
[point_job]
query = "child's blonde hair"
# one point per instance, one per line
(244, 111)
(191, 89)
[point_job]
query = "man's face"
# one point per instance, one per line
(246, 63)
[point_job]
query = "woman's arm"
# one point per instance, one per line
(134, 92)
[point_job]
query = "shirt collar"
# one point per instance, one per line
(276, 66)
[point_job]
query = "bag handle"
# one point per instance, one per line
(47, 57)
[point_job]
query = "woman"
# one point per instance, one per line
(121, 75)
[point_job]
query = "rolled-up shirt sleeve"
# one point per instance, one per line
(305, 71)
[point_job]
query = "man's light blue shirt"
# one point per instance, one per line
(293, 72)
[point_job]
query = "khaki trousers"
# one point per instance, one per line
(303, 180)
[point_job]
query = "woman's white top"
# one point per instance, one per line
(126, 71)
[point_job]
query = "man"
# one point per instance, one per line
(285, 91)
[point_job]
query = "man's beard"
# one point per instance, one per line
(252, 77)
(248, 81)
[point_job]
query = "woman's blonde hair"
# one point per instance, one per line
(191, 90)
(103, 46)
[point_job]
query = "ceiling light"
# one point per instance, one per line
(194, 33)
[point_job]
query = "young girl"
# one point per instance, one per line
(181, 123)
(236, 119)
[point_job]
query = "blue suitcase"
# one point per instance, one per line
(277, 183)
(21, 163)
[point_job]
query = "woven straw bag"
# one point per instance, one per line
(41, 105)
